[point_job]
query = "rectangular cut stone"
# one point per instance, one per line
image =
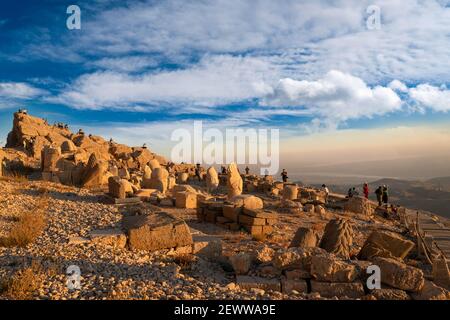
(222, 220)
(258, 213)
(288, 285)
(248, 282)
(254, 230)
(231, 212)
(297, 274)
(186, 200)
(156, 231)
(385, 244)
(335, 289)
(251, 221)
(399, 275)
(210, 216)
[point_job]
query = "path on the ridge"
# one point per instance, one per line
(433, 227)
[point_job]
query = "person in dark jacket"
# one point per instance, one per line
(379, 194)
(284, 175)
(385, 195)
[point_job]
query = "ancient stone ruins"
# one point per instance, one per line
(141, 227)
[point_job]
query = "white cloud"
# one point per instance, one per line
(125, 64)
(335, 98)
(214, 81)
(397, 85)
(437, 99)
(18, 90)
(13, 94)
(304, 39)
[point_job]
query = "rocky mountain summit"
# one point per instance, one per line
(136, 226)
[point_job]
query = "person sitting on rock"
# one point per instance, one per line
(80, 131)
(144, 146)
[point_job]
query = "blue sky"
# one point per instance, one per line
(305, 67)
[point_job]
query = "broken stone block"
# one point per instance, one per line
(241, 263)
(109, 237)
(186, 200)
(251, 221)
(259, 213)
(264, 254)
(247, 201)
(183, 178)
(289, 285)
(68, 146)
(308, 208)
(124, 174)
(304, 238)
(268, 271)
(399, 275)
(430, 291)
(359, 205)
(209, 247)
(231, 212)
(145, 194)
(328, 268)
(290, 192)
(49, 158)
(248, 282)
(297, 274)
(117, 187)
(338, 238)
(352, 290)
(390, 294)
(156, 231)
(385, 244)
(296, 258)
(319, 209)
(166, 202)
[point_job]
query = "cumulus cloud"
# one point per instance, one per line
(435, 98)
(335, 98)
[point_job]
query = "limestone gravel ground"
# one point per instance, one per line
(115, 273)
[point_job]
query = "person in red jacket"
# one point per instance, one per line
(366, 190)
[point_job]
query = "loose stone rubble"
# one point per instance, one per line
(142, 228)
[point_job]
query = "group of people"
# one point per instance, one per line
(382, 193)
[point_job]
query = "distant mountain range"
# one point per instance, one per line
(431, 195)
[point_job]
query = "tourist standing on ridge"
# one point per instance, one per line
(197, 172)
(366, 190)
(247, 170)
(284, 175)
(379, 194)
(327, 192)
(385, 195)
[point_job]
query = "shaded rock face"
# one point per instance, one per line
(304, 238)
(155, 232)
(338, 238)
